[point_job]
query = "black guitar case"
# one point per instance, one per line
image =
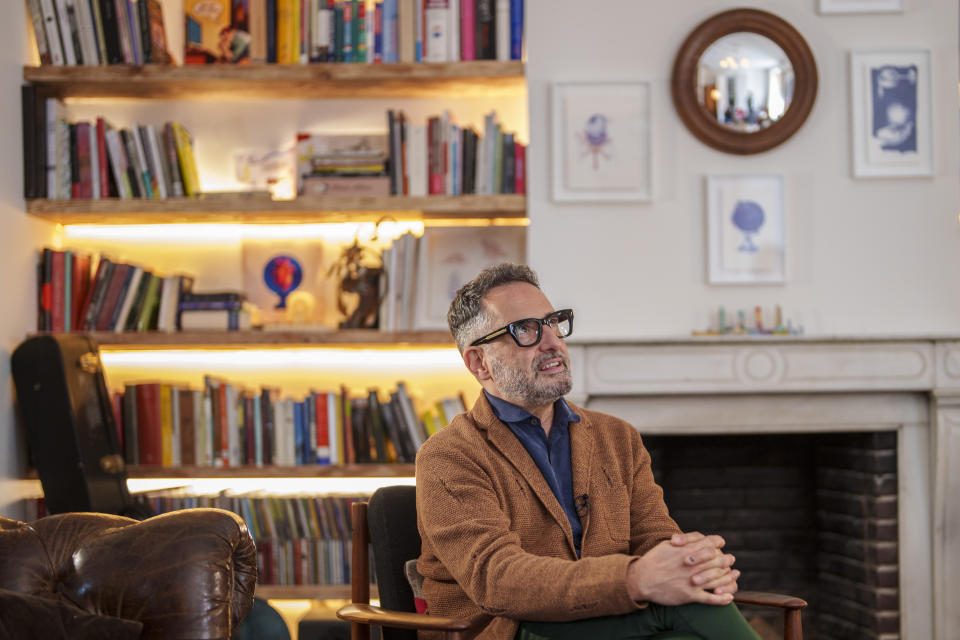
(70, 426)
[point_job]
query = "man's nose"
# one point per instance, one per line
(550, 337)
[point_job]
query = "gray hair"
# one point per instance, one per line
(467, 316)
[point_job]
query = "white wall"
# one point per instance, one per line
(18, 237)
(864, 256)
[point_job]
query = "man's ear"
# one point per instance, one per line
(476, 362)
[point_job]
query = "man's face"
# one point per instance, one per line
(529, 377)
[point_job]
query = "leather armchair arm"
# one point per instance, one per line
(184, 574)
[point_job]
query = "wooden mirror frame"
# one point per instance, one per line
(701, 122)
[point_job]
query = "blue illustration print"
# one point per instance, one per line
(748, 217)
(282, 275)
(894, 93)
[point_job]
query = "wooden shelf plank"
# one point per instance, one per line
(396, 470)
(308, 591)
(289, 338)
(262, 209)
(324, 80)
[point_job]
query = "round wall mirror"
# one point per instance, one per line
(744, 81)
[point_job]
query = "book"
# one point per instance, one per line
(111, 31)
(437, 28)
(39, 32)
(502, 30)
(131, 427)
(215, 319)
(150, 436)
(119, 321)
(516, 29)
(113, 292)
(158, 51)
(468, 30)
(173, 161)
(188, 165)
(87, 33)
(146, 319)
(485, 35)
(344, 186)
(52, 30)
(69, 36)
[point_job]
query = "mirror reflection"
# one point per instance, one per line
(745, 80)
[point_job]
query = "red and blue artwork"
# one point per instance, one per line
(282, 275)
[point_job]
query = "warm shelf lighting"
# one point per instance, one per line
(231, 233)
(361, 358)
(267, 486)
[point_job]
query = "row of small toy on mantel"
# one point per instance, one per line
(740, 327)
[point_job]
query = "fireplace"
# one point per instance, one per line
(861, 437)
(812, 515)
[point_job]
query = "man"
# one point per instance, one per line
(545, 515)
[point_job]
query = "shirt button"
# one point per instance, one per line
(535, 421)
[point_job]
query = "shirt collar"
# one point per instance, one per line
(509, 412)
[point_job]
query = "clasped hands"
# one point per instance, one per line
(689, 567)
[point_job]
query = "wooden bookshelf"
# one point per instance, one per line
(308, 591)
(396, 470)
(261, 209)
(286, 338)
(480, 78)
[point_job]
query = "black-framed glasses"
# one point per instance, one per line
(527, 332)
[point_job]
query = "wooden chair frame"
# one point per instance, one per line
(361, 614)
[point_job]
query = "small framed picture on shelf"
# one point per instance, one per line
(450, 257)
(892, 115)
(745, 229)
(601, 142)
(861, 6)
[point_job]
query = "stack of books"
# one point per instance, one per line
(86, 160)
(358, 31)
(342, 165)
(225, 425)
(97, 32)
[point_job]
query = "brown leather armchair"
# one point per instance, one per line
(184, 574)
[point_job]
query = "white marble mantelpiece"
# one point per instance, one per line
(781, 384)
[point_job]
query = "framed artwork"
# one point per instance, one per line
(449, 257)
(745, 229)
(601, 142)
(861, 6)
(892, 115)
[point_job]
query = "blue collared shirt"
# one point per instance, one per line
(552, 454)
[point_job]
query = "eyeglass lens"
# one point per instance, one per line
(527, 332)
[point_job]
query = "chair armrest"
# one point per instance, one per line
(369, 614)
(764, 599)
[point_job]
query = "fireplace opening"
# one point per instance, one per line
(809, 515)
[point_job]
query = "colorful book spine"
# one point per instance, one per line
(468, 27)
(516, 29)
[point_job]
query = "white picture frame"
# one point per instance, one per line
(745, 229)
(891, 113)
(601, 142)
(449, 257)
(861, 6)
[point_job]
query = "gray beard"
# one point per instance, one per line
(523, 386)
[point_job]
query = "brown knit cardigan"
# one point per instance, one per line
(495, 539)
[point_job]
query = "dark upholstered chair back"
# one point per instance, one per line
(392, 523)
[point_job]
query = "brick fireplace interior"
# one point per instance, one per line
(810, 515)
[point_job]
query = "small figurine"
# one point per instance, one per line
(362, 281)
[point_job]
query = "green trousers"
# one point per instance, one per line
(685, 622)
